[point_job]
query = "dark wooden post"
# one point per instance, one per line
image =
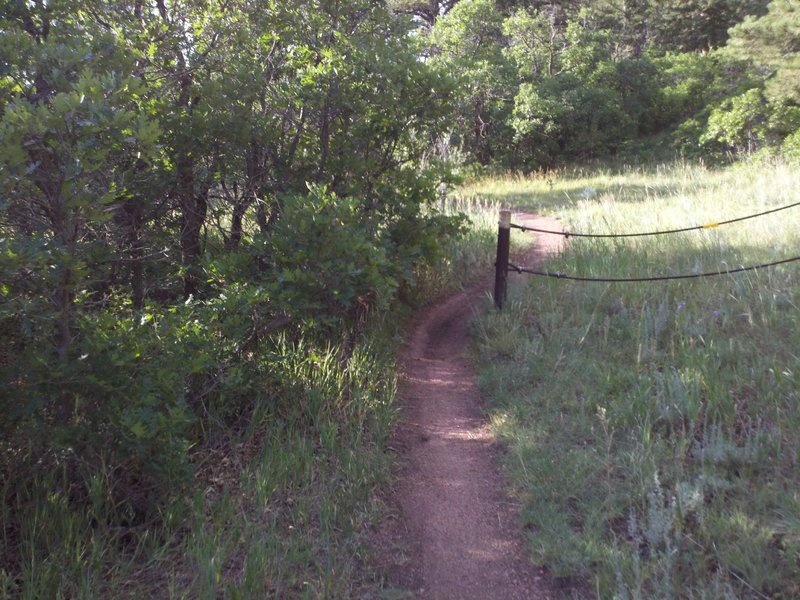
(501, 266)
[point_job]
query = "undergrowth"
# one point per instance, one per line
(464, 259)
(284, 489)
(274, 510)
(652, 428)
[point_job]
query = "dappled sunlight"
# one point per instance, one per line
(481, 434)
(465, 430)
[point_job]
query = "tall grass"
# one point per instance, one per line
(465, 259)
(277, 510)
(653, 429)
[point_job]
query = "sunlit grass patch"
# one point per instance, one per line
(653, 428)
(462, 259)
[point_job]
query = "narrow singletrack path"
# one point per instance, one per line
(458, 530)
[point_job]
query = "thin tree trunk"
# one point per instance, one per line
(133, 212)
(482, 149)
(237, 220)
(63, 301)
(194, 207)
(324, 136)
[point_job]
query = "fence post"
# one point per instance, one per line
(501, 266)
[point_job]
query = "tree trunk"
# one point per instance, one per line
(194, 207)
(63, 302)
(253, 184)
(324, 135)
(237, 219)
(482, 150)
(133, 213)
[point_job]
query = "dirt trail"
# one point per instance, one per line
(457, 534)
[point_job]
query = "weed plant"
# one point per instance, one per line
(653, 429)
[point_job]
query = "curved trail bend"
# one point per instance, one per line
(459, 531)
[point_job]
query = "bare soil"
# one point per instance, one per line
(453, 532)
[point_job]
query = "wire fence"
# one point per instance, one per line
(503, 266)
(569, 234)
(560, 275)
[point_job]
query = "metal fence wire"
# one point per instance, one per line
(503, 266)
(561, 275)
(569, 234)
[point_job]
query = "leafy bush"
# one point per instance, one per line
(791, 145)
(135, 396)
(575, 99)
(739, 122)
(328, 261)
(684, 83)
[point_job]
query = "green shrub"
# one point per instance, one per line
(739, 122)
(791, 145)
(328, 261)
(685, 83)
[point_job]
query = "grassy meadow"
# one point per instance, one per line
(653, 429)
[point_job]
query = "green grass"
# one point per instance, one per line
(653, 430)
(465, 259)
(277, 510)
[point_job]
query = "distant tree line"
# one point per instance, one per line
(544, 83)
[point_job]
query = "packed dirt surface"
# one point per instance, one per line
(455, 532)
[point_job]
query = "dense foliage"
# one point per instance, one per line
(179, 181)
(548, 83)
